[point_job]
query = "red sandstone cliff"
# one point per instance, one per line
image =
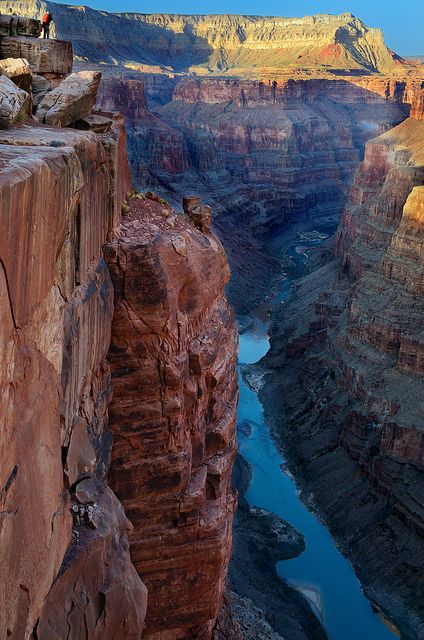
(173, 363)
(65, 564)
(55, 388)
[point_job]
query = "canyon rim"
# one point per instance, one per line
(168, 182)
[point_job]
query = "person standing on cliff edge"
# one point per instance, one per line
(47, 19)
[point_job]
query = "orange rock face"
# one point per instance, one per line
(58, 200)
(173, 363)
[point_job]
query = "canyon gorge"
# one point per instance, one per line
(121, 514)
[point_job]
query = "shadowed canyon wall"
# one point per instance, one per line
(345, 373)
(266, 157)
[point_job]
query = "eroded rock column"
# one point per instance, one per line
(174, 374)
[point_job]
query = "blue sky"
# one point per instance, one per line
(401, 20)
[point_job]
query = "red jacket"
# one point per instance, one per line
(47, 19)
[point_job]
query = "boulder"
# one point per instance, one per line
(70, 101)
(14, 103)
(201, 217)
(19, 71)
(94, 122)
(40, 87)
(52, 58)
(190, 202)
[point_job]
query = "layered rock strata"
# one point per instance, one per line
(266, 158)
(59, 200)
(354, 413)
(220, 44)
(49, 58)
(173, 363)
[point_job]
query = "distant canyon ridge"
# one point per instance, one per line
(220, 44)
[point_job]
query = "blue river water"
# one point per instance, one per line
(321, 572)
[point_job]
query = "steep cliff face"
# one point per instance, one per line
(57, 303)
(173, 362)
(354, 414)
(219, 43)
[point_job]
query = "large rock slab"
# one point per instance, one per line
(52, 58)
(94, 122)
(11, 25)
(70, 101)
(19, 71)
(14, 103)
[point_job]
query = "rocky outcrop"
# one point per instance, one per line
(70, 101)
(19, 71)
(97, 593)
(173, 363)
(353, 415)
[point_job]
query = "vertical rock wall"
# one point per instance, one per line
(59, 199)
(173, 362)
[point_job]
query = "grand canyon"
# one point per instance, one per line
(211, 372)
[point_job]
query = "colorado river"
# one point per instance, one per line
(320, 572)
